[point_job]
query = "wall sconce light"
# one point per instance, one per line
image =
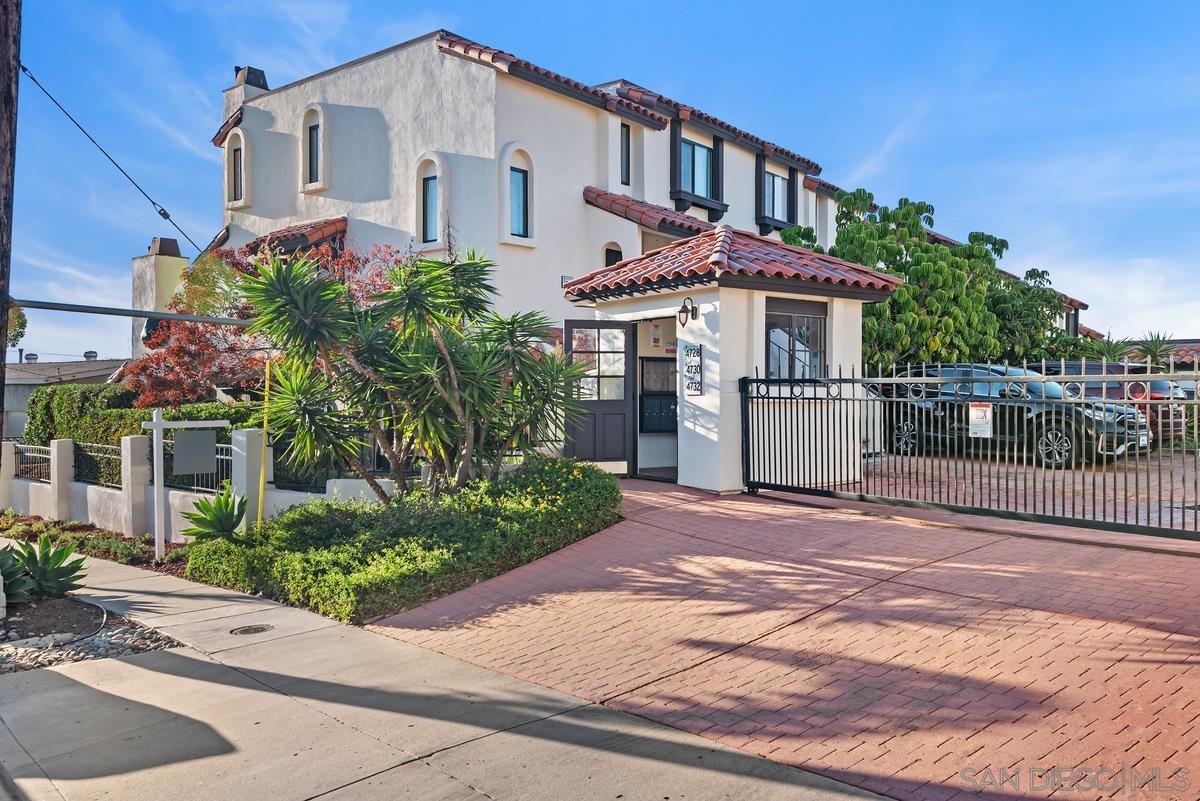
(687, 311)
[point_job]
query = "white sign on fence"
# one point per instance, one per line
(693, 369)
(158, 426)
(979, 420)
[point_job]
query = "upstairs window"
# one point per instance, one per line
(235, 177)
(695, 168)
(625, 156)
(429, 208)
(775, 196)
(612, 255)
(518, 208)
(314, 154)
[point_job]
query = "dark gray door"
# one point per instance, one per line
(607, 392)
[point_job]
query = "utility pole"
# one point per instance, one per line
(10, 74)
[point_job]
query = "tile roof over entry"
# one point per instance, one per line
(301, 235)
(721, 253)
(651, 215)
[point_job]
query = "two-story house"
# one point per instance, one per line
(555, 179)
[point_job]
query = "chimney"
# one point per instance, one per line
(31, 358)
(156, 277)
(248, 82)
(89, 355)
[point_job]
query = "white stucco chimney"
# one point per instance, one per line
(156, 278)
(248, 82)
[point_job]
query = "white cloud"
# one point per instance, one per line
(879, 161)
(1129, 296)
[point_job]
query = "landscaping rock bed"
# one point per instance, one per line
(61, 630)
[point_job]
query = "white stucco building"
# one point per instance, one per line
(556, 180)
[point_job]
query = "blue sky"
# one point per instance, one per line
(1071, 129)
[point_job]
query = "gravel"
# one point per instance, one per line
(119, 637)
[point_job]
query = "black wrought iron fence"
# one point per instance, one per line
(1091, 443)
(33, 462)
(315, 477)
(98, 464)
(195, 482)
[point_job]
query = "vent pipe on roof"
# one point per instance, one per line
(89, 355)
(31, 358)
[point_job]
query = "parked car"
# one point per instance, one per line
(1161, 399)
(1027, 417)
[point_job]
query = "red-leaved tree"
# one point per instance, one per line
(187, 361)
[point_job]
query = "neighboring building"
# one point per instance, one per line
(21, 379)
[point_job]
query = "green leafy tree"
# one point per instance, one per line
(940, 313)
(424, 365)
(1027, 312)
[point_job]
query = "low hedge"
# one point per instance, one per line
(103, 413)
(358, 562)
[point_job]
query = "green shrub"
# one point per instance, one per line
(103, 413)
(18, 586)
(358, 562)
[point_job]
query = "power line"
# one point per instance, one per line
(162, 212)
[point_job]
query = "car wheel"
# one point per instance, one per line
(1055, 447)
(905, 438)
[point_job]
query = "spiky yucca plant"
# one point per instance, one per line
(218, 518)
(48, 567)
(17, 584)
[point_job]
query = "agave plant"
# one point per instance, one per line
(18, 587)
(217, 518)
(1113, 350)
(1155, 347)
(48, 568)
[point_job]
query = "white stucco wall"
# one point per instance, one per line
(383, 115)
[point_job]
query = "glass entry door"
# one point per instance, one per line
(606, 432)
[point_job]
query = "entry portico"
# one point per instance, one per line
(716, 307)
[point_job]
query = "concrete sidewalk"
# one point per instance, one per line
(301, 707)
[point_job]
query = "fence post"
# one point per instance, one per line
(135, 477)
(8, 469)
(62, 473)
(246, 452)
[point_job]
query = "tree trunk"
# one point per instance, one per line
(365, 474)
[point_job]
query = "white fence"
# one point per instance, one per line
(128, 508)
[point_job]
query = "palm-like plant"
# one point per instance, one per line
(425, 365)
(1155, 347)
(1113, 350)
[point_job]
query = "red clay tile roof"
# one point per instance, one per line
(520, 68)
(1090, 333)
(301, 235)
(651, 215)
(722, 252)
(644, 97)
(234, 120)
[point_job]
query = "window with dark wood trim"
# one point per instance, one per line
(696, 168)
(775, 196)
(518, 204)
(611, 256)
(796, 342)
(429, 209)
(625, 154)
(314, 153)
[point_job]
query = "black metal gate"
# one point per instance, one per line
(1084, 443)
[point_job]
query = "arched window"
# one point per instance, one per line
(612, 254)
(237, 170)
(432, 199)
(518, 220)
(314, 150)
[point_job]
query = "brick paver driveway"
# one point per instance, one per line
(915, 660)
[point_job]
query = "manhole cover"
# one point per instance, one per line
(258, 628)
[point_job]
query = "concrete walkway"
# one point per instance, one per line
(297, 706)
